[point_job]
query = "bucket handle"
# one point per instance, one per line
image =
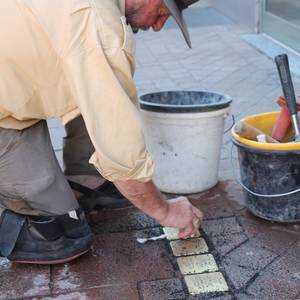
(254, 193)
(233, 123)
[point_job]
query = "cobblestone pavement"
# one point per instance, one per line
(258, 259)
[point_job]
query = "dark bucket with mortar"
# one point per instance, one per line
(271, 176)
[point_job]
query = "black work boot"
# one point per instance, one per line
(43, 240)
(106, 196)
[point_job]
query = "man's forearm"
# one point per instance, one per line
(145, 196)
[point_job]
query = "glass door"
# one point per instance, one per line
(281, 20)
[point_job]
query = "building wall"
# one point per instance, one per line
(244, 12)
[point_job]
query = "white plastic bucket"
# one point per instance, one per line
(184, 133)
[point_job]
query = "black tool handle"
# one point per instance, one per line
(282, 63)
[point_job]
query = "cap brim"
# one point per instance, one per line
(178, 16)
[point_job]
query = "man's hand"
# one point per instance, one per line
(177, 213)
(183, 215)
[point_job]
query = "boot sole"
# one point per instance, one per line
(51, 262)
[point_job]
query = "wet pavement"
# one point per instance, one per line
(258, 259)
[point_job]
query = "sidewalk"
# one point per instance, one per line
(258, 259)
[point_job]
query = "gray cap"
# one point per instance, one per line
(176, 7)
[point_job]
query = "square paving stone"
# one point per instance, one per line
(189, 247)
(116, 259)
(288, 265)
(206, 283)
(167, 289)
(201, 297)
(243, 263)
(120, 220)
(267, 286)
(251, 224)
(233, 190)
(213, 203)
(249, 255)
(197, 264)
(115, 292)
(223, 227)
(276, 240)
(18, 281)
(172, 233)
(226, 243)
(244, 297)
(56, 134)
(239, 276)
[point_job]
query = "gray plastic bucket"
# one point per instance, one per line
(184, 133)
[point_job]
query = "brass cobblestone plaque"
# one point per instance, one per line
(197, 264)
(172, 233)
(189, 247)
(206, 283)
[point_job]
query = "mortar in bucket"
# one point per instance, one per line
(270, 173)
(184, 133)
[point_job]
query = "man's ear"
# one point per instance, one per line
(159, 24)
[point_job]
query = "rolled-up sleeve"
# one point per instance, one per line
(103, 93)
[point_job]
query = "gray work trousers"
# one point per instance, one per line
(31, 180)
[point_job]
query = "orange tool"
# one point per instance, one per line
(283, 122)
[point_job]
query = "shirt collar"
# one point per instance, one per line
(121, 5)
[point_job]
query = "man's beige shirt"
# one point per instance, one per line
(63, 58)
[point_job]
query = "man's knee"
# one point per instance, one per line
(40, 184)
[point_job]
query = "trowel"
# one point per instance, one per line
(282, 63)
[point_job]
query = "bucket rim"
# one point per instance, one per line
(238, 144)
(289, 146)
(190, 108)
